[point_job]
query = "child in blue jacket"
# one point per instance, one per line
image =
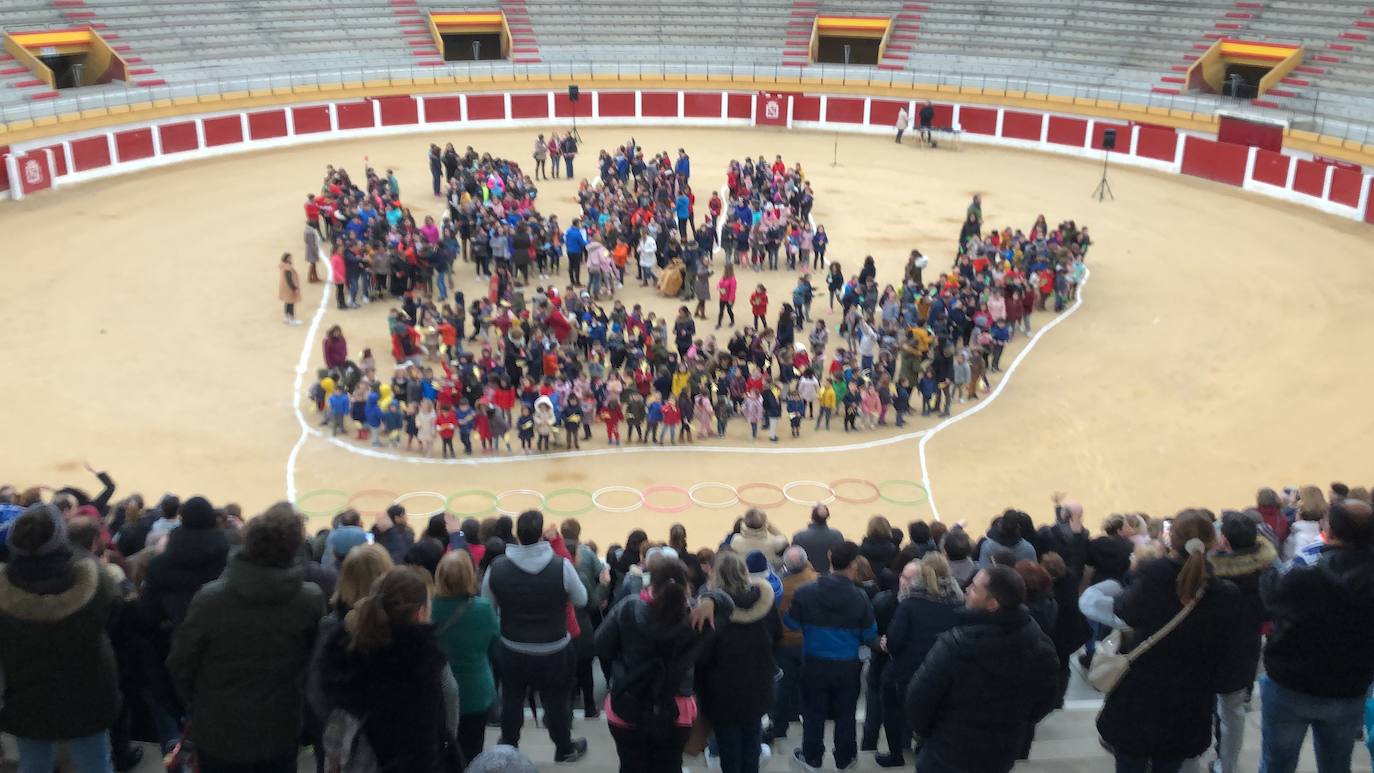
(339, 405)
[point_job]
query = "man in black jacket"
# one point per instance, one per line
(985, 683)
(1318, 660)
(818, 538)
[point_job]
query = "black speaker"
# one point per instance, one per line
(574, 93)
(1109, 139)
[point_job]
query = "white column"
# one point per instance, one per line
(114, 151)
(1088, 138)
(553, 105)
(997, 132)
(1292, 172)
(754, 111)
(419, 113)
(681, 104)
(157, 137)
(1326, 183)
(1181, 142)
(954, 117)
(825, 109)
(1135, 137)
(52, 166)
(333, 117)
(639, 104)
(243, 127)
(377, 111)
(1250, 164)
(1363, 206)
(790, 105)
(724, 105)
(596, 104)
(16, 182)
(1044, 128)
(462, 107)
(868, 107)
(290, 121)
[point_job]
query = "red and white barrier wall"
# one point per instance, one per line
(40, 164)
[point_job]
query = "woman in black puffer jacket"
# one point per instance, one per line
(735, 675)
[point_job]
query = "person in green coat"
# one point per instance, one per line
(466, 626)
(239, 659)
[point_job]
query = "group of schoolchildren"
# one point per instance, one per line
(541, 369)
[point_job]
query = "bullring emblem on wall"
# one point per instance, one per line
(772, 110)
(33, 173)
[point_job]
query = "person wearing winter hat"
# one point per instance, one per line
(62, 684)
(758, 567)
(340, 541)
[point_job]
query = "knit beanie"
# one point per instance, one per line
(54, 544)
(756, 562)
(196, 513)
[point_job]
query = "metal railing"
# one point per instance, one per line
(1333, 116)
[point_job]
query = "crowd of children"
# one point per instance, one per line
(545, 365)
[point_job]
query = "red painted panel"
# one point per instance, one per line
(740, 106)
(530, 105)
(563, 107)
(844, 110)
(90, 153)
(1218, 161)
(440, 109)
(33, 172)
(225, 130)
(658, 104)
(1067, 131)
(178, 137)
(355, 115)
(806, 108)
(978, 120)
(1159, 144)
(1123, 137)
(618, 104)
(1022, 126)
(883, 112)
(1310, 178)
(267, 124)
(399, 111)
(4, 168)
(484, 107)
(310, 120)
(1369, 210)
(700, 105)
(59, 158)
(1272, 168)
(134, 144)
(1345, 187)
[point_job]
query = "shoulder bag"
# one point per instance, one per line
(1109, 666)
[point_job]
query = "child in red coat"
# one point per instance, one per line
(758, 303)
(611, 416)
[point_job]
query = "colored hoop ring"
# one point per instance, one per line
(390, 495)
(787, 492)
(317, 492)
(667, 489)
(512, 492)
(549, 497)
(596, 499)
(835, 485)
(762, 505)
(734, 495)
(925, 495)
(491, 507)
(402, 499)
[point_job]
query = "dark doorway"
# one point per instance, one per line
(830, 50)
(67, 69)
(1242, 80)
(469, 47)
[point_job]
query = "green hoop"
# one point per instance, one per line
(318, 492)
(549, 497)
(925, 495)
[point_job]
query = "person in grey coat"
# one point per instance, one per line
(818, 538)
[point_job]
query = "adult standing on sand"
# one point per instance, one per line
(289, 289)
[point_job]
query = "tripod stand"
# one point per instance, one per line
(1104, 188)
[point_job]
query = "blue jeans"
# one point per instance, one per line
(441, 276)
(738, 746)
(568, 160)
(89, 755)
(830, 690)
(1286, 716)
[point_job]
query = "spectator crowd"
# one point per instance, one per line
(392, 644)
(528, 361)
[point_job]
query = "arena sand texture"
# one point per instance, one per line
(1222, 344)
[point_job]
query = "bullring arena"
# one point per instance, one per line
(1218, 343)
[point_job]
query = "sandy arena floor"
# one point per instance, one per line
(1221, 346)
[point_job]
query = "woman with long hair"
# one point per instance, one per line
(650, 647)
(927, 600)
(736, 669)
(1160, 713)
(384, 666)
(466, 626)
(878, 546)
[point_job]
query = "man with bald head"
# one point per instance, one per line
(797, 571)
(818, 538)
(1319, 661)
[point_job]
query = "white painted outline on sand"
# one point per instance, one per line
(302, 365)
(997, 390)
